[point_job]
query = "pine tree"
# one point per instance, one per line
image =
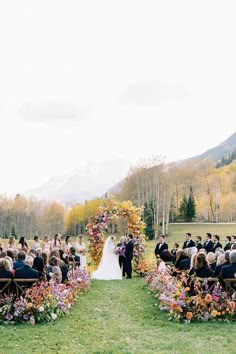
(191, 206)
(148, 219)
(183, 208)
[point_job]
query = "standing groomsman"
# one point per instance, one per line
(227, 243)
(189, 242)
(217, 243)
(199, 244)
(208, 244)
(161, 246)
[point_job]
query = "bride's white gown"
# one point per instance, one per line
(108, 268)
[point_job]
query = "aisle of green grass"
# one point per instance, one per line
(118, 317)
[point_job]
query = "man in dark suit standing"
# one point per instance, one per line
(217, 243)
(208, 244)
(26, 272)
(129, 256)
(189, 242)
(161, 246)
(199, 244)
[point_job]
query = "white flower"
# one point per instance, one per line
(41, 309)
(32, 320)
(53, 316)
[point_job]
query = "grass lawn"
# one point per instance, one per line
(118, 317)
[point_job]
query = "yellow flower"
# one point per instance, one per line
(214, 313)
(30, 304)
(177, 293)
(187, 289)
(178, 285)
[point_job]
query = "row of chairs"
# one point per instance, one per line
(16, 286)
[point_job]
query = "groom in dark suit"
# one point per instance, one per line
(129, 256)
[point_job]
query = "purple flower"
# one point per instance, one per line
(9, 317)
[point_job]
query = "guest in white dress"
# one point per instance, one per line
(80, 248)
(68, 244)
(56, 243)
(47, 246)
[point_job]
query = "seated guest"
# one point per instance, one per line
(161, 246)
(229, 271)
(227, 243)
(222, 260)
(54, 271)
(186, 263)
(5, 268)
(199, 244)
(211, 259)
(73, 257)
(39, 264)
(189, 242)
(217, 244)
(175, 249)
(180, 256)
(27, 272)
(10, 254)
(202, 268)
(167, 256)
(208, 244)
(63, 263)
(3, 254)
(19, 263)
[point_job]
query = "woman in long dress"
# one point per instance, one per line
(47, 246)
(80, 250)
(109, 268)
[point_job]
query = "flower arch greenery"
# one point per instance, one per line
(112, 211)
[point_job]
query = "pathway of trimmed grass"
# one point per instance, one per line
(118, 317)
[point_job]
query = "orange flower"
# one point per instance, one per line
(208, 298)
(30, 304)
(189, 315)
(174, 305)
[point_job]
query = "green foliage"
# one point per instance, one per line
(148, 219)
(187, 209)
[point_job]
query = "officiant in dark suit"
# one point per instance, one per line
(129, 256)
(161, 246)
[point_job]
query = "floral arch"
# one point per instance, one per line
(109, 213)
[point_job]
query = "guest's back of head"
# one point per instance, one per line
(201, 261)
(232, 257)
(29, 261)
(210, 257)
(4, 264)
(221, 260)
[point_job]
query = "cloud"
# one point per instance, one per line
(54, 112)
(152, 93)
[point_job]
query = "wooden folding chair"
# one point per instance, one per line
(230, 285)
(5, 288)
(22, 284)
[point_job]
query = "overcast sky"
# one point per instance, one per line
(90, 80)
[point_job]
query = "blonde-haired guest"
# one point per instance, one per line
(211, 259)
(80, 250)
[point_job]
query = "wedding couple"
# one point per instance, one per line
(109, 267)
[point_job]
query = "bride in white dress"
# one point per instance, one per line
(108, 268)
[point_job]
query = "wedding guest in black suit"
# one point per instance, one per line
(161, 246)
(129, 256)
(199, 244)
(227, 243)
(229, 271)
(189, 242)
(208, 244)
(217, 244)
